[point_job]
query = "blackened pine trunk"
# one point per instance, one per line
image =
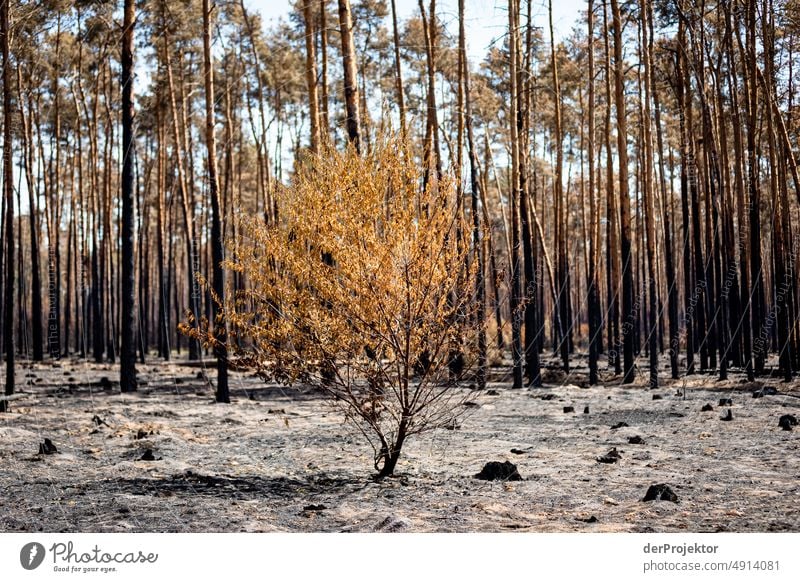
(682, 97)
(432, 159)
(720, 263)
(477, 239)
(757, 309)
(8, 196)
(563, 317)
(782, 275)
(593, 302)
(96, 300)
(173, 298)
(262, 155)
(352, 119)
(218, 274)
(33, 211)
(70, 256)
(187, 208)
(493, 269)
(109, 244)
(648, 197)
(163, 284)
(401, 106)
(21, 303)
(323, 57)
(742, 324)
(53, 258)
(95, 214)
(532, 328)
(311, 73)
(628, 311)
(666, 212)
(127, 357)
(612, 223)
(143, 242)
(2, 261)
(81, 318)
(54, 211)
(672, 289)
(514, 262)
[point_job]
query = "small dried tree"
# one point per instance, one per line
(361, 290)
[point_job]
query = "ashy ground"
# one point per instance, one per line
(280, 459)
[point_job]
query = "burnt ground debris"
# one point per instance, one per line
(240, 467)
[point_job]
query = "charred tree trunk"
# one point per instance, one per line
(562, 307)
(532, 328)
(217, 249)
(187, 207)
(8, 197)
(401, 107)
(323, 49)
(477, 239)
(514, 259)
(669, 249)
(311, 73)
(432, 158)
(648, 195)
(350, 80)
(128, 264)
(33, 226)
(593, 291)
(757, 307)
(612, 223)
(628, 310)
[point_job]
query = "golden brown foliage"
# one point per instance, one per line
(363, 290)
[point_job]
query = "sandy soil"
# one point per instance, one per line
(283, 460)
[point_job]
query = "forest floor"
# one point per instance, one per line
(280, 459)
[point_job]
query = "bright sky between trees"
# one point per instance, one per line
(486, 20)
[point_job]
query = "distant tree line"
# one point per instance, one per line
(629, 192)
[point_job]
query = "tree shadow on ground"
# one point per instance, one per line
(238, 487)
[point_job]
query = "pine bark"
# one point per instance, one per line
(351, 100)
(8, 198)
(477, 233)
(628, 309)
(217, 250)
(514, 259)
(593, 291)
(127, 266)
(648, 196)
(311, 73)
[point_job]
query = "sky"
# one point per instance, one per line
(486, 20)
